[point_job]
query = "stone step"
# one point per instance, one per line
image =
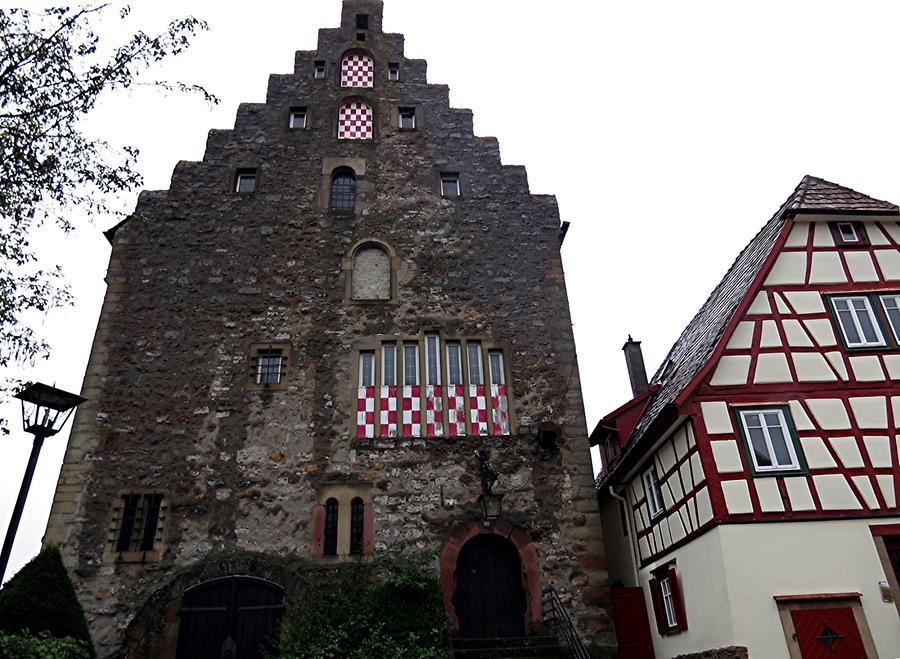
(530, 647)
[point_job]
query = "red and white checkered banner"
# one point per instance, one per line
(434, 411)
(365, 412)
(355, 121)
(456, 410)
(412, 411)
(388, 412)
(357, 70)
(500, 409)
(478, 410)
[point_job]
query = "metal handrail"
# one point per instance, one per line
(562, 623)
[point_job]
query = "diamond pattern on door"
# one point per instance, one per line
(830, 633)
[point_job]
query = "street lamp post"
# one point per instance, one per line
(45, 410)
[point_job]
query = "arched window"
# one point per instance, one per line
(331, 527)
(343, 189)
(355, 121)
(370, 278)
(357, 70)
(356, 525)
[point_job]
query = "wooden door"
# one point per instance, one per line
(828, 633)
(632, 623)
(229, 618)
(489, 598)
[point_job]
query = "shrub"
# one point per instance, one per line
(42, 646)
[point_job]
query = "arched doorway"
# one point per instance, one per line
(233, 617)
(489, 599)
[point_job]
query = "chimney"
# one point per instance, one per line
(634, 359)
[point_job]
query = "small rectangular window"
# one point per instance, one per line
(849, 234)
(138, 522)
(367, 369)
(410, 364)
(858, 322)
(389, 365)
(668, 602)
(269, 366)
(769, 439)
(319, 69)
(653, 492)
(432, 361)
(245, 181)
(449, 185)
(495, 359)
(362, 21)
(393, 71)
(407, 118)
(474, 355)
(360, 36)
(298, 118)
(891, 305)
(454, 364)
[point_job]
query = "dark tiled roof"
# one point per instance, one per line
(815, 195)
(698, 340)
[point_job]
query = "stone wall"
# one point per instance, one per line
(731, 652)
(200, 273)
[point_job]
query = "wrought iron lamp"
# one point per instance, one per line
(491, 504)
(45, 410)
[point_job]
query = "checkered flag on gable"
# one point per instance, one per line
(355, 121)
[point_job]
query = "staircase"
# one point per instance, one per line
(530, 647)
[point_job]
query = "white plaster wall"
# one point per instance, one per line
(794, 558)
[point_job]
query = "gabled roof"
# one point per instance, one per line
(694, 347)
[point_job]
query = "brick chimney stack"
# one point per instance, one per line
(634, 359)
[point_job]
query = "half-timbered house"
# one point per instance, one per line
(749, 491)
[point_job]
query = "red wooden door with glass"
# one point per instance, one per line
(828, 634)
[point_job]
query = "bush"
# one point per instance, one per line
(40, 599)
(388, 609)
(42, 646)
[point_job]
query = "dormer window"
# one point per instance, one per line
(849, 234)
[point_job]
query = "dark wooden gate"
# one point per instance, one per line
(232, 617)
(828, 633)
(632, 622)
(489, 598)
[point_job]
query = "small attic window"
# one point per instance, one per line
(297, 118)
(393, 71)
(245, 181)
(319, 69)
(849, 234)
(362, 21)
(449, 184)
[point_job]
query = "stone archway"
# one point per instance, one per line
(530, 567)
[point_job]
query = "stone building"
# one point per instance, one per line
(304, 341)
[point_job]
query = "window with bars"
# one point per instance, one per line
(268, 366)
(331, 527)
(769, 439)
(867, 321)
(343, 189)
(357, 521)
(137, 525)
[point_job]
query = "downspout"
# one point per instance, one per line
(632, 534)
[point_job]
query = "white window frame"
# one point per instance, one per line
(406, 112)
(653, 492)
(896, 299)
(245, 176)
(393, 71)
(502, 372)
(385, 361)
(450, 177)
(668, 599)
(856, 239)
(366, 355)
(432, 341)
(480, 373)
(450, 360)
(295, 114)
(862, 343)
(786, 432)
(415, 346)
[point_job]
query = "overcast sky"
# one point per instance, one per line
(668, 131)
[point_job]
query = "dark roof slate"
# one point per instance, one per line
(698, 340)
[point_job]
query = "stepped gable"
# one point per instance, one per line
(698, 340)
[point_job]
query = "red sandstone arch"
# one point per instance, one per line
(531, 571)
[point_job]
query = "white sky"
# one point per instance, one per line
(669, 133)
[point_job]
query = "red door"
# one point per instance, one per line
(632, 623)
(828, 634)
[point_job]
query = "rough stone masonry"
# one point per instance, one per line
(205, 282)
